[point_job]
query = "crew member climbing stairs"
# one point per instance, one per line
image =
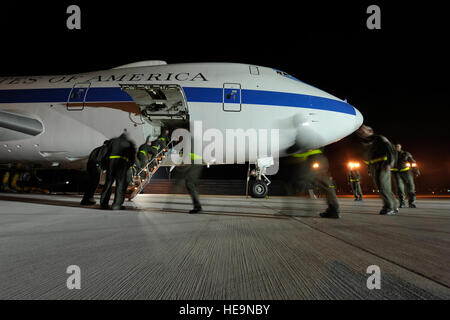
(141, 176)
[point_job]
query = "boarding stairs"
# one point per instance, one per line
(142, 177)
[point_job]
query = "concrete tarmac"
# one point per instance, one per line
(238, 248)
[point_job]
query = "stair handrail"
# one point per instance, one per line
(150, 174)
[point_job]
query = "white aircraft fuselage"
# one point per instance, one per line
(58, 120)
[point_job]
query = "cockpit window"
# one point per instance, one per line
(282, 73)
(287, 75)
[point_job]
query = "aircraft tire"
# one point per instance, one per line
(259, 189)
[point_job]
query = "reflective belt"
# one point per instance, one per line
(332, 187)
(306, 154)
(354, 180)
(376, 160)
(143, 152)
(119, 157)
(155, 147)
(401, 170)
(194, 156)
(162, 139)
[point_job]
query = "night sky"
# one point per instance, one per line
(397, 76)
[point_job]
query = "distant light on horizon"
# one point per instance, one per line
(353, 165)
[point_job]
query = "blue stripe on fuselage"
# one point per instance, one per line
(271, 98)
(193, 94)
(61, 95)
(34, 95)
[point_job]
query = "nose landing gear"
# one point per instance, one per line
(259, 184)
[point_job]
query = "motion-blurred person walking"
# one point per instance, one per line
(401, 172)
(380, 156)
(122, 154)
(311, 168)
(95, 165)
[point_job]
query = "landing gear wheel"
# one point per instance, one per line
(259, 189)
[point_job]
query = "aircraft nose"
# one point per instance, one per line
(358, 119)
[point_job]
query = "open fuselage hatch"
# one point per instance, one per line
(161, 105)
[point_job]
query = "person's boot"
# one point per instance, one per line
(389, 212)
(117, 207)
(89, 202)
(412, 205)
(402, 205)
(195, 210)
(330, 214)
(356, 199)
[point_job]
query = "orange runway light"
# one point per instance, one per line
(414, 165)
(408, 164)
(315, 165)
